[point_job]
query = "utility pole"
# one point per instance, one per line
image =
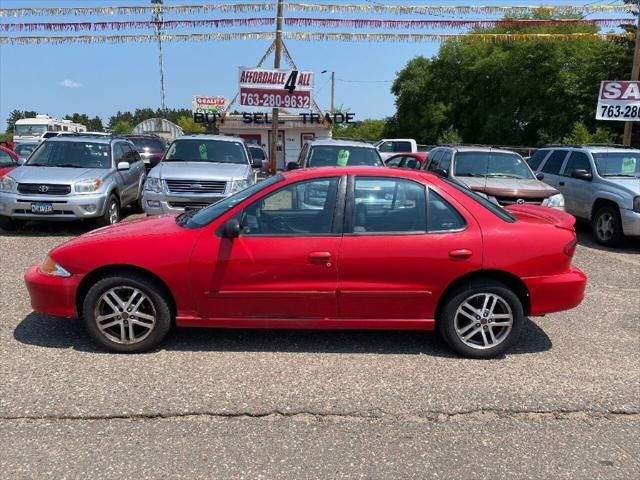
(333, 90)
(158, 17)
(634, 77)
(273, 159)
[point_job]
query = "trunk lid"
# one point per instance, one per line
(543, 215)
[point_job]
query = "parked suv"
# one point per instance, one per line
(600, 184)
(196, 171)
(150, 147)
(502, 175)
(73, 178)
(327, 153)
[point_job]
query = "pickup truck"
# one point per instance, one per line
(390, 146)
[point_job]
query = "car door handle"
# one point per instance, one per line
(561, 184)
(461, 253)
(319, 256)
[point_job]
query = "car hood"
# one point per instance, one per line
(200, 170)
(509, 187)
(631, 184)
(56, 175)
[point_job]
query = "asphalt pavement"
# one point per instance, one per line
(565, 403)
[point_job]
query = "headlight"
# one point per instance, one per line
(554, 201)
(88, 186)
(7, 184)
(153, 184)
(636, 204)
(50, 267)
(238, 185)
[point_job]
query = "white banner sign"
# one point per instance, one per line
(206, 104)
(262, 87)
(619, 100)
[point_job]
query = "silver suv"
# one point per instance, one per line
(196, 171)
(73, 177)
(600, 184)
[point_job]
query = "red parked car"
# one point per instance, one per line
(8, 161)
(407, 160)
(323, 248)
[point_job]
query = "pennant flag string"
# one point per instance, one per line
(416, 24)
(308, 7)
(128, 25)
(312, 36)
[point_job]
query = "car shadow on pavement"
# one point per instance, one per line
(586, 239)
(43, 331)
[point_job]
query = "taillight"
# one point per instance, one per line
(570, 248)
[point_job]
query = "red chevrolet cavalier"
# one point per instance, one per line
(326, 248)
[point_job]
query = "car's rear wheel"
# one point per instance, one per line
(481, 319)
(111, 214)
(607, 226)
(126, 314)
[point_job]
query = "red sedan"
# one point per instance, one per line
(8, 161)
(324, 248)
(407, 160)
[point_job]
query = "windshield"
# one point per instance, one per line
(491, 164)
(71, 154)
(257, 153)
(618, 164)
(148, 144)
(208, 214)
(25, 150)
(35, 130)
(331, 155)
(215, 151)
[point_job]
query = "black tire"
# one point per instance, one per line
(160, 309)
(446, 320)
(612, 236)
(107, 219)
(8, 224)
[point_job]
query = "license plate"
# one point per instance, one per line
(41, 208)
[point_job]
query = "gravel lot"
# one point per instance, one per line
(275, 404)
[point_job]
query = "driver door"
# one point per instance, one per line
(283, 264)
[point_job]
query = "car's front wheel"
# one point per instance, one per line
(481, 319)
(607, 226)
(126, 314)
(111, 214)
(9, 224)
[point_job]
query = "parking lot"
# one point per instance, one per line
(304, 404)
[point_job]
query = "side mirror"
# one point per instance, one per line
(581, 174)
(441, 172)
(231, 229)
(124, 165)
(256, 163)
(540, 176)
(292, 166)
(265, 165)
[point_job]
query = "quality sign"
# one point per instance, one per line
(205, 104)
(619, 100)
(262, 87)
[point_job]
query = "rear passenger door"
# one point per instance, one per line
(577, 192)
(399, 249)
(552, 167)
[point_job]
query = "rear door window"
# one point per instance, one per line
(441, 215)
(537, 158)
(554, 162)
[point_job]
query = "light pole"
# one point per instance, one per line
(158, 18)
(333, 89)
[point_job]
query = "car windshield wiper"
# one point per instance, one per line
(620, 175)
(68, 165)
(470, 175)
(505, 175)
(176, 160)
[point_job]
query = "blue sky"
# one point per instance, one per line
(102, 79)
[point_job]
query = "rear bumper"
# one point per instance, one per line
(55, 296)
(630, 222)
(555, 293)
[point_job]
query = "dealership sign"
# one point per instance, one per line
(262, 87)
(619, 100)
(204, 104)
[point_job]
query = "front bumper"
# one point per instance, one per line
(55, 296)
(162, 203)
(630, 222)
(65, 207)
(554, 293)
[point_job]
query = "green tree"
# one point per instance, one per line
(450, 135)
(16, 115)
(517, 93)
(122, 126)
(188, 125)
(95, 125)
(581, 135)
(369, 129)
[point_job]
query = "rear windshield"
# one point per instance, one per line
(491, 164)
(257, 153)
(214, 151)
(148, 144)
(71, 154)
(618, 164)
(332, 155)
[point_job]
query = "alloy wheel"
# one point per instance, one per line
(605, 226)
(125, 315)
(114, 216)
(483, 321)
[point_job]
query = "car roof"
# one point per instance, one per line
(107, 139)
(223, 138)
(340, 143)
(367, 171)
(475, 148)
(592, 148)
(420, 155)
